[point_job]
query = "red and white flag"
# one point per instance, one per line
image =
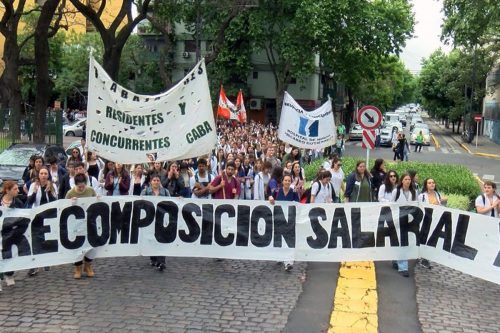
(226, 109)
(240, 106)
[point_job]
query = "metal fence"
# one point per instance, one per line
(53, 127)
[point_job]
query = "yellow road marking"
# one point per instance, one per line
(355, 303)
(436, 142)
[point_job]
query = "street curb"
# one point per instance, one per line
(472, 153)
(436, 143)
(464, 147)
(487, 155)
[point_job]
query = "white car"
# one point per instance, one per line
(394, 125)
(425, 132)
(386, 134)
(75, 128)
(356, 132)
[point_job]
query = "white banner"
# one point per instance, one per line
(306, 129)
(130, 128)
(62, 232)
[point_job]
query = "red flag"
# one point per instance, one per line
(240, 106)
(223, 109)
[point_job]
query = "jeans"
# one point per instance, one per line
(79, 263)
(402, 265)
(158, 259)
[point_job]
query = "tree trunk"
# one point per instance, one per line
(452, 127)
(42, 56)
(350, 109)
(11, 85)
(111, 59)
(280, 95)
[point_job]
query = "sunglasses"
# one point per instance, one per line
(392, 176)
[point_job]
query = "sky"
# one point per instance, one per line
(427, 32)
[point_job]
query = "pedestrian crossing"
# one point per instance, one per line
(443, 150)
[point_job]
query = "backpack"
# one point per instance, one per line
(398, 194)
(197, 179)
(306, 196)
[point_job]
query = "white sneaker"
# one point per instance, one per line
(9, 280)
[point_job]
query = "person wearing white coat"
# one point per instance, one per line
(390, 183)
(405, 192)
(261, 180)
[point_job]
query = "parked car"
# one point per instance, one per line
(15, 159)
(75, 128)
(356, 132)
(386, 136)
(75, 144)
(425, 132)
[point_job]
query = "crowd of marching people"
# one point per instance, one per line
(249, 163)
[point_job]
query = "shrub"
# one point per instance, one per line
(455, 180)
(458, 201)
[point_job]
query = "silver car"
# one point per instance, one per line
(75, 128)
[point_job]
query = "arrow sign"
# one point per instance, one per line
(369, 117)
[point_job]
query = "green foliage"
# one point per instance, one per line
(443, 80)
(278, 30)
(450, 179)
(392, 86)
(139, 68)
(353, 37)
(458, 201)
(471, 23)
(73, 61)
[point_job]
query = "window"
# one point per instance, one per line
(255, 75)
(190, 46)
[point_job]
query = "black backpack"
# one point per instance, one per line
(306, 197)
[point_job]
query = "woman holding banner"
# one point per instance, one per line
(82, 190)
(285, 193)
(405, 192)
(9, 199)
(155, 189)
(41, 191)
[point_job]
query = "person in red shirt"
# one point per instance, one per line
(225, 186)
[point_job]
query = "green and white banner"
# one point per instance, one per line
(129, 128)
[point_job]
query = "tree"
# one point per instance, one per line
(445, 82)
(72, 67)
(43, 32)
(116, 34)
(353, 37)
(10, 88)
(277, 28)
(391, 86)
(471, 23)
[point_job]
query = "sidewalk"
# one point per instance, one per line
(485, 147)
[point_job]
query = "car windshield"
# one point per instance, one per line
(17, 156)
(73, 123)
(424, 131)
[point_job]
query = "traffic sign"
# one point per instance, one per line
(369, 117)
(478, 117)
(368, 139)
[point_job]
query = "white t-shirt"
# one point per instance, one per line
(203, 181)
(325, 193)
(337, 180)
(487, 203)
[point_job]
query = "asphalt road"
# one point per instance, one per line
(449, 152)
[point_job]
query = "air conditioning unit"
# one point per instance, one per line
(185, 54)
(255, 104)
